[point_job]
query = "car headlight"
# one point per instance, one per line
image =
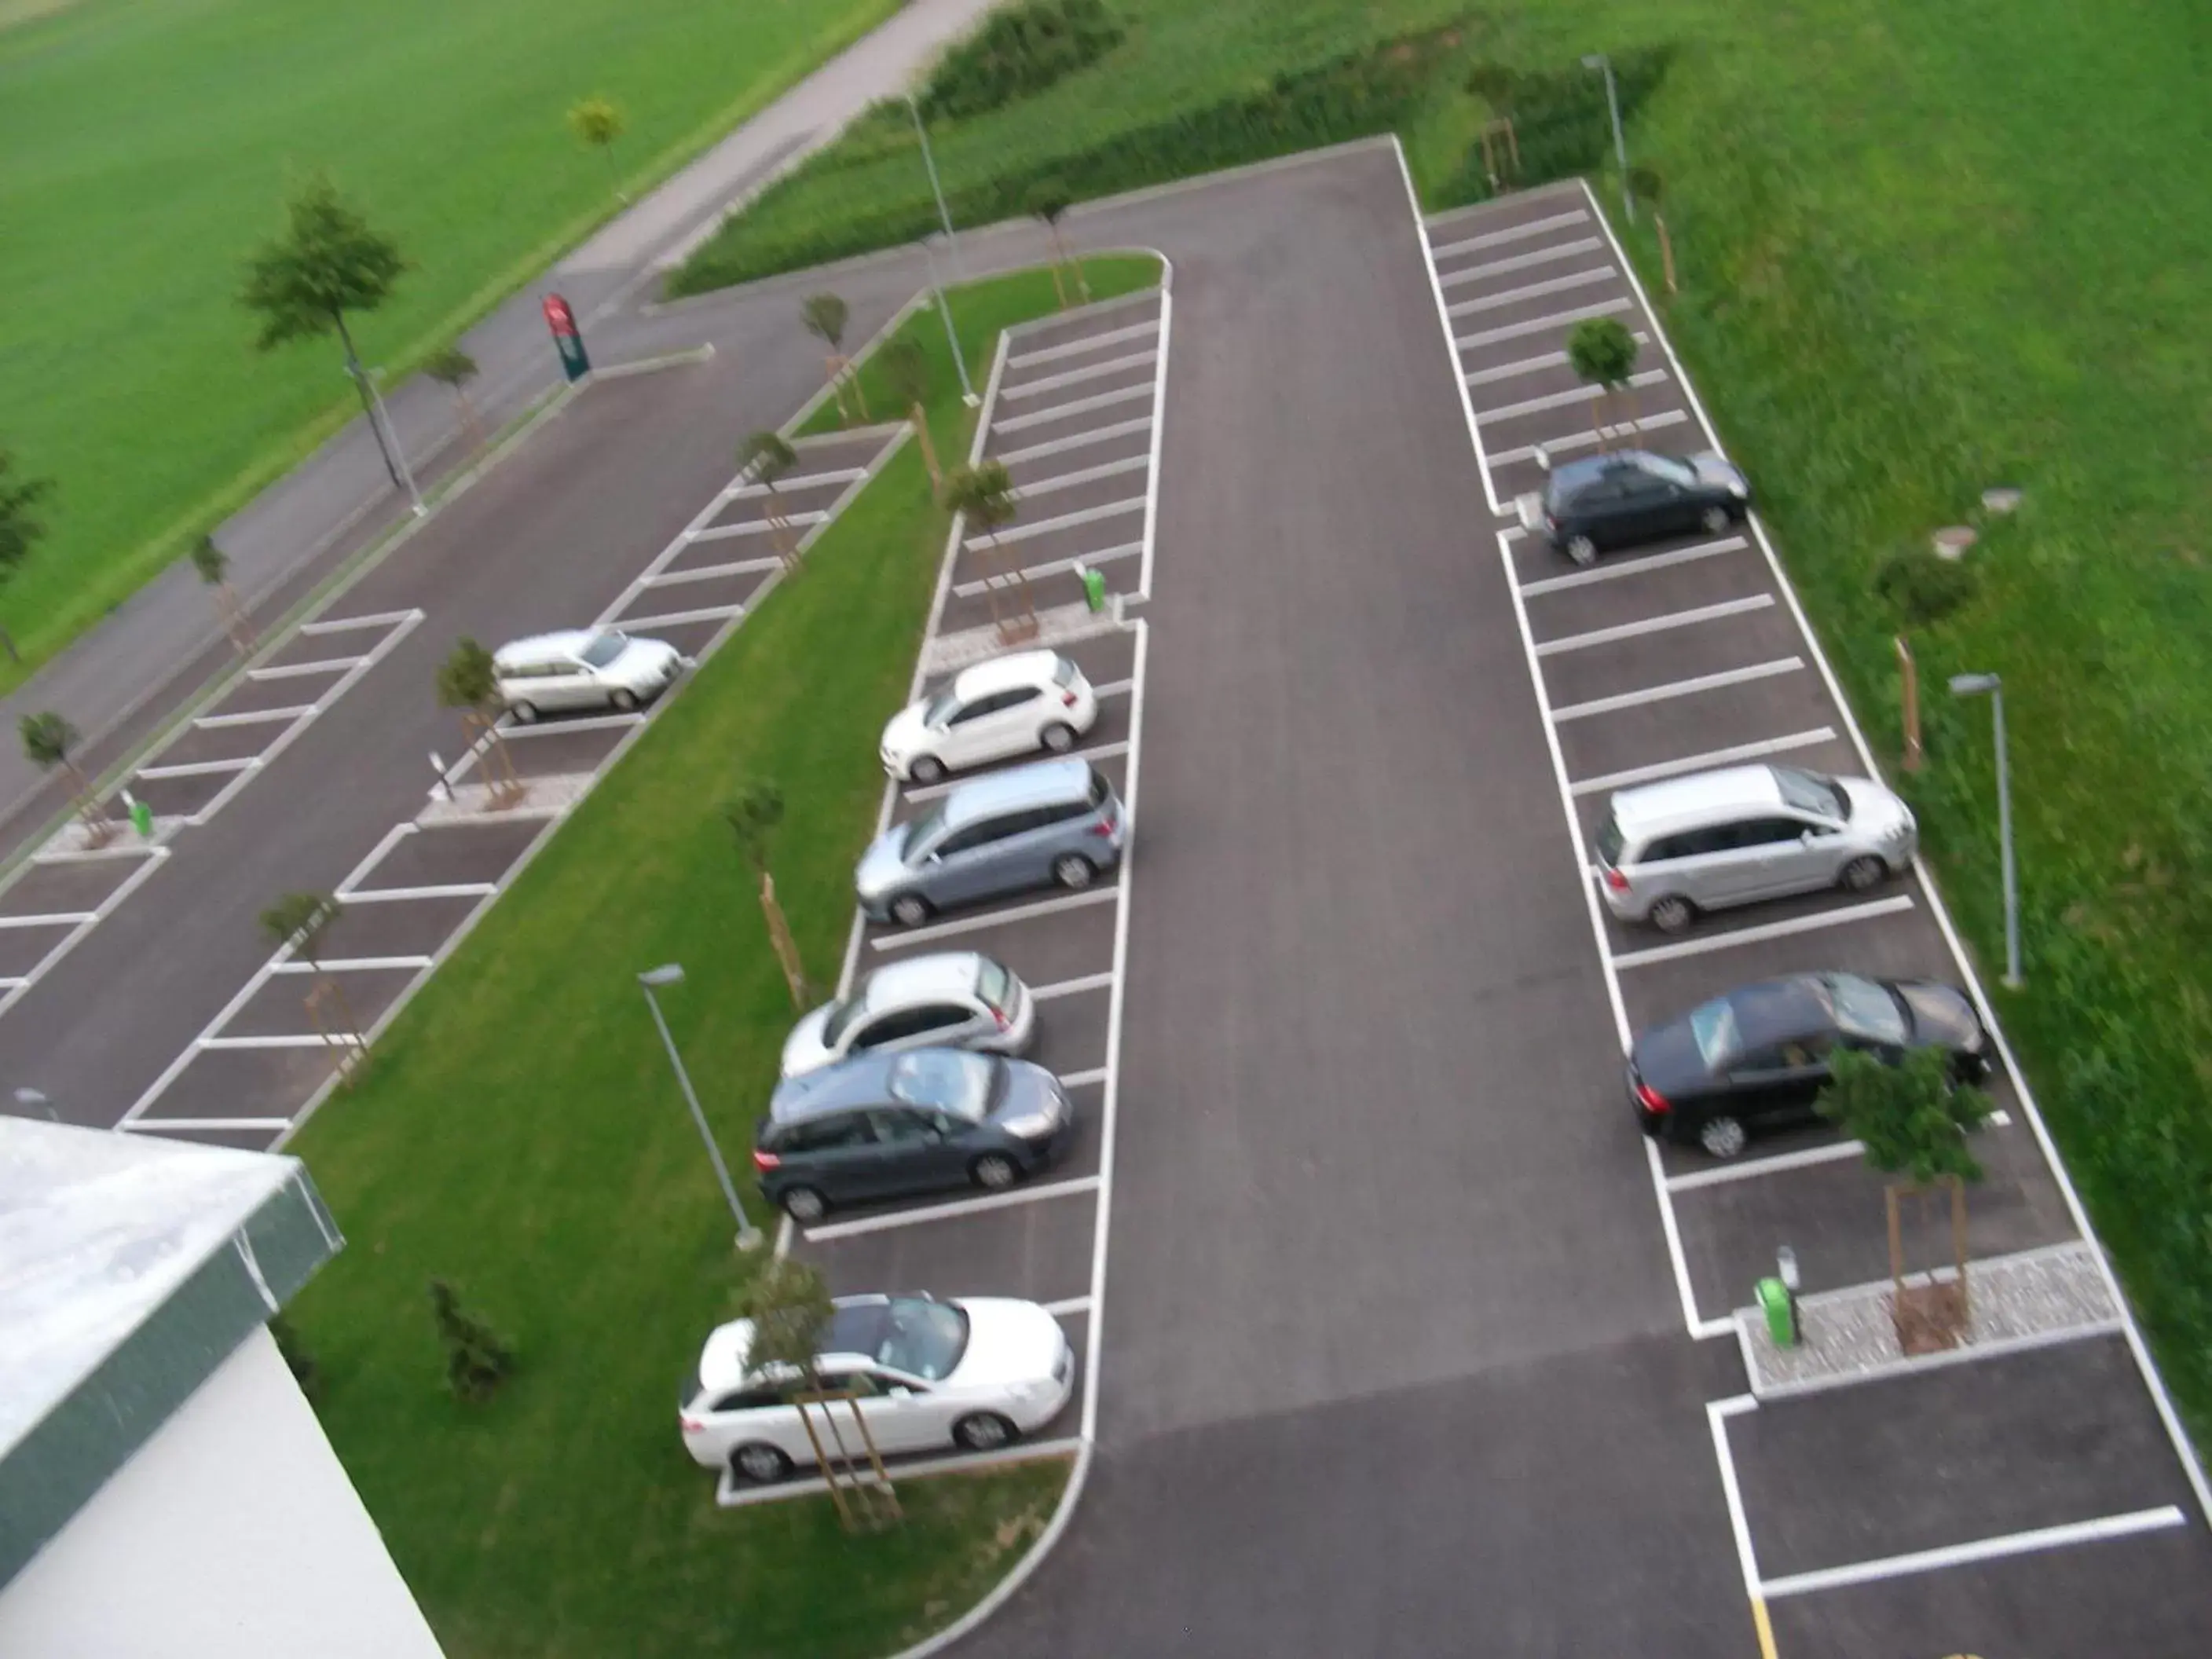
(1035, 1124)
(1741, 490)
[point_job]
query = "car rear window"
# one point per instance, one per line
(1713, 1027)
(1099, 787)
(604, 649)
(1063, 671)
(1609, 840)
(994, 984)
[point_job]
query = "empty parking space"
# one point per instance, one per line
(76, 885)
(448, 854)
(353, 996)
(553, 749)
(1032, 1243)
(416, 928)
(228, 1086)
(26, 942)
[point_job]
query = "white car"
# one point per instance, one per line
(951, 1000)
(1007, 706)
(974, 1372)
(582, 668)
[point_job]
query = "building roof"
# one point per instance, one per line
(131, 1267)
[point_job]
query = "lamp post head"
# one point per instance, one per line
(1972, 685)
(1595, 60)
(668, 974)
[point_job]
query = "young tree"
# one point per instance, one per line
(1049, 201)
(21, 527)
(824, 315)
(984, 497)
(1646, 186)
(476, 1360)
(50, 741)
(453, 369)
(1603, 354)
(753, 813)
(1913, 1119)
(300, 921)
(212, 566)
(905, 369)
(598, 122)
(469, 680)
(327, 263)
(767, 457)
(789, 1307)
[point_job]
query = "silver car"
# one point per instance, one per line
(1057, 823)
(1667, 851)
(955, 999)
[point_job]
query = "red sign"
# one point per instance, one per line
(558, 317)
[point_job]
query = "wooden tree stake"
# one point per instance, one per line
(1909, 673)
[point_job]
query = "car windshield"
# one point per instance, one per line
(842, 1016)
(1063, 671)
(1715, 1028)
(923, 830)
(605, 648)
(944, 1080)
(940, 709)
(1865, 1010)
(994, 984)
(1667, 467)
(922, 1339)
(1808, 792)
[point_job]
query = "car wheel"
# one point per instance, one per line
(994, 1170)
(525, 713)
(759, 1462)
(804, 1204)
(1057, 739)
(1581, 549)
(1723, 1137)
(926, 769)
(624, 701)
(1073, 870)
(1862, 873)
(909, 909)
(1672, 914)
(983, 1432)
(1717, 519)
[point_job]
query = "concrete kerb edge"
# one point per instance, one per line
(2162, 1402)
(1904, 1366)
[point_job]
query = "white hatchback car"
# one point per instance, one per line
(950, 999)
(1007, 706)
(974, 1372)
(582, 668)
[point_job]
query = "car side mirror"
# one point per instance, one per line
(898, 1391)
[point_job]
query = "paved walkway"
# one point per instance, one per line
(121, 679)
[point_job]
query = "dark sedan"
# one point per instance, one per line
(883, 1125)
(1756, 1058)
(1631, 496)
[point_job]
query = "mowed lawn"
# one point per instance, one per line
(521, 1134)
(145, 147)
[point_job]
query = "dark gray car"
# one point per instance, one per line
(1633, 495)
(881, 1126)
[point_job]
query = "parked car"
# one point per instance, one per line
(951, 1000)
(881, 1126)
(1056, 822)
(1006, 706)
(1632, 495)
(1757, 1057)
(1667, 851)
(582, 668)
(975, 1372)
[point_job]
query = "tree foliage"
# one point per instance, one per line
(20, 527)
(789, 1307)
(597, 121)
(1645, 184)
(1912, 1117)
(767, 456)
(753, 812)
(477, 1359)
(984, 495)
(300, 920)
(905, 367)
(209, 563)
(327, 262)
(1602, 352)
(468, 679)
(1020, 51)
(450, 366)
(48, 739)
(824, 315)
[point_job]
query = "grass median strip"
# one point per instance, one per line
(520, 1135)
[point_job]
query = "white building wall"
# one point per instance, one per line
(233, 1533)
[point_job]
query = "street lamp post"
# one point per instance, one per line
(1599, 61)
(1972, 685)
(951, 335)
(388, 436)
(749, 1237)
(936, 189)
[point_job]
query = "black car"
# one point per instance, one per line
(1632, 495)
(882, 1125)
(1757, 1057)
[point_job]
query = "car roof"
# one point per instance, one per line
(1656, 808)
(856, 1327)
(565, 642)
(998, 673)
(1038, 784)
(862, 1081)
(1774, 1009)
(1573, 475)
(900, 984)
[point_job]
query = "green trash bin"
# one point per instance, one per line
(1094, 586)
(1781, 1310)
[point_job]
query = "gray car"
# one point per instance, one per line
(1667, 851)
(1055, 823)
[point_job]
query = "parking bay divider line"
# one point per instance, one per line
(1088, 343)
(353, 965)
(1580, 394)
(154, 857)
(285, 1040)
(1097, 371)
(1531, 364)
(1545, 325)
(1080, 406)
(1658, 421)
(49, 919)
(1614, 571)
(672, 619)
(2100, 1530)
(728, 1496)
(168, 1125)
(1676, 688)
(1529, 261)
(253, 717)
(1074, 1187)
(294, 671)
(1059, 446)
(1896, 904)
(1081, 475)
(1069, 988)
(1704, 613)
(1520, 232)
(968, 590)
(1712, 757)
(1533, 291)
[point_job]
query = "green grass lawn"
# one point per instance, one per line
(145, 147)
(521, 1135)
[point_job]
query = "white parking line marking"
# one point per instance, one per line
(294, 1040)
(1675, 688)
(1636, 566)
(842, 475)
(968, 590)
(50, 919)
(1074, 1187)
(1710, 758)
(1080, 406)
(1529, 365)
(1096, 752)
(1021, 532)
(1544, 256)
(404, 895)
(1113, 689)
(1068, 987)
(13, 982)
(254, 717)
(1672, 619)
(1557, 319)
(729, 1496)
(1987, 1549)
(1085, 475)
(154, 1125)
(708, 573)
(1826, 919)
(1514, 296)
(1515, 234)
(1587, 439)
(510, 731)
(676, 618)
(300, 670)
(900, 940)
(347, 624)
(1056, 446)
(1751, 1169)
(1717, 1413)
(1084, 1079)
(352, 965)
(1088, 343)
(1078, 376)
(1067, 1306)
(199, 768)
(1560, 399)
(721, 533)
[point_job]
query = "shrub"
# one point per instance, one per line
(1019, 51)
(1923, 588)
(476, 1360)
(1561, 124)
